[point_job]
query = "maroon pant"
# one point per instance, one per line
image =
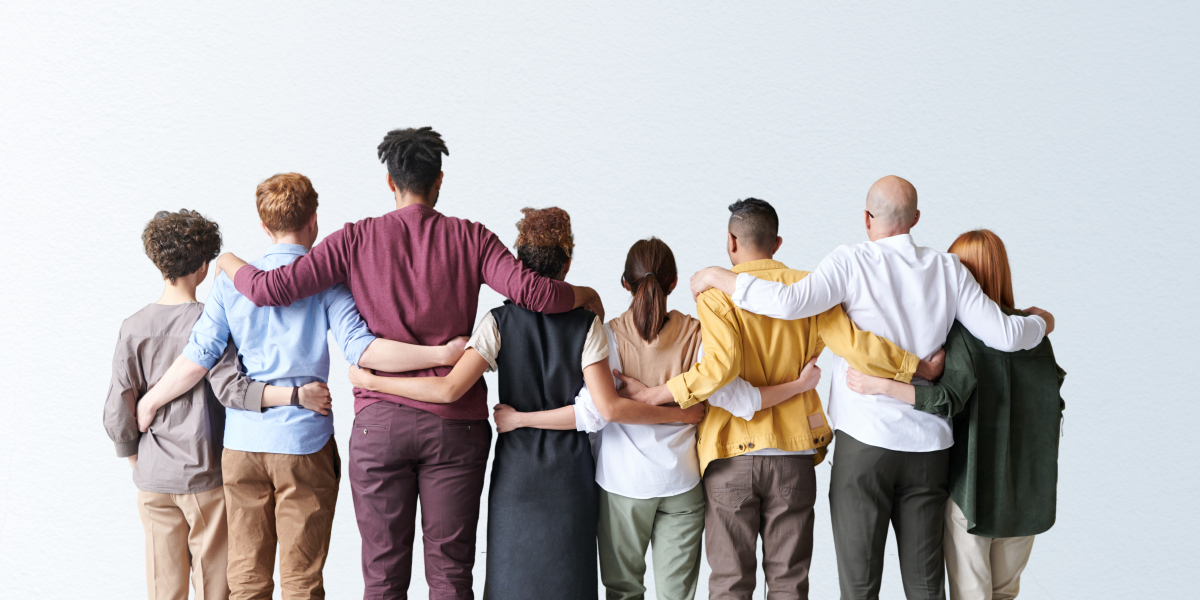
(395, 451)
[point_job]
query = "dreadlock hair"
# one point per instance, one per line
(649, 273)
(413, 158)
(754, 222)
(180, 243)
(544, 241)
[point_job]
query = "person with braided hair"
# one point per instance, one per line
(415, 276)
(542, 509)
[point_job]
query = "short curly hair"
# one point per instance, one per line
(544, 242)
(180, 243)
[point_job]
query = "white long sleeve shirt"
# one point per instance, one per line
(652, 461)
(909, 294)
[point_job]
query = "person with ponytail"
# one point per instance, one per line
(542, 507)
(649, 475)
(1006, 409)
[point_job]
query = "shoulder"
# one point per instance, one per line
(790, 276)
(685, 319)
(714, 301)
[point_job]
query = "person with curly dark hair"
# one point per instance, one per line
(415, 275)
(177, 461)
(543, 504)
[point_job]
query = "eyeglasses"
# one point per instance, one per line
(869, 214)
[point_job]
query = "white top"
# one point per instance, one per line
(652, 461)
(908, 294)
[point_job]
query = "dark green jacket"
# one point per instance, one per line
(1007, 414)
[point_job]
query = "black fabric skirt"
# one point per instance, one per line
(542, 512)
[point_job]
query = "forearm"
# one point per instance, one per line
(276, 396)
(435, 390)
(905, 392)
(632, 412)
(560, 419)
(181, 377)
(775, 394)
(398, 357)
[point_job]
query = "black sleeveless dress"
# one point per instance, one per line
(543, 504)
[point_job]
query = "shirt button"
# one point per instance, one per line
(740, 447)
(364, 432)
(751, 445)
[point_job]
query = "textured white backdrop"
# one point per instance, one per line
(1069, 129)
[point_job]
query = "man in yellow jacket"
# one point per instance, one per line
(759, 474)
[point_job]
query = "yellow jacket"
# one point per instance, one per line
(765, 351)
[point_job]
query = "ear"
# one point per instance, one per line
(267, 231)
(673, 283)
(202, 273)
(778, 243)
(867, 219)
(916, 217)
(312, 221)
(625, 284)
(437, 184)
(731, 243)
(565, 268)
(391, 184)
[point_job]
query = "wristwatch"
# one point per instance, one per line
(295, 396)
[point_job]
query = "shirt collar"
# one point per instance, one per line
(758, 265)
(898, 241)
(296, 249)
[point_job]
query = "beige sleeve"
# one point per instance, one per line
(486, 341)
(595, 347)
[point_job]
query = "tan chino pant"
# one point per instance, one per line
(184, 532)
(283, 499)
(982, 568)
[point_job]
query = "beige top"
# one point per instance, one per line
(486, 341)
(181, 452)
(672, 352)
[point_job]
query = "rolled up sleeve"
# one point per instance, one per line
(210, 334)
(723, 352)
(349, 328)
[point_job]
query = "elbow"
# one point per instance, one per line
(611, 413)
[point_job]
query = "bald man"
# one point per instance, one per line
(890, 461)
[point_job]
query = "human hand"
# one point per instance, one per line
(931, 369)
(507, 418)
(362, 378)
(1047, 317)
(865, 384)
(810, 375)
(132, 461)
(229, 263)
(594, 304)
(631, 388)
(453, 350)
(145, 415)
(315, 397)
(693, 414)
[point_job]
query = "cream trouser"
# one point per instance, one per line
(185, 532)
(981, 568)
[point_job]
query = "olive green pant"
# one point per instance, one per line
(674, 525)
(869, 488)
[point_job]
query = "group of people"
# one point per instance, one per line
(655, 428)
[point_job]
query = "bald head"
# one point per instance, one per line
(893, 203)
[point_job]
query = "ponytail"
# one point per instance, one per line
(649, 307)
(649, 272)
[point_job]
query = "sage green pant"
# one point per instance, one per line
(674, 525)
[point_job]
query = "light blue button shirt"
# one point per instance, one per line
(284, 346)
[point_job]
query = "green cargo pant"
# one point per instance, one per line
(673, 524)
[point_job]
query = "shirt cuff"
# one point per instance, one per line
(680, 392)
(1041, 327)
(254, 396)
(908, 367)
(924, 396)
(126, 449)
(355, 348)
(744, 281)
(200, 355)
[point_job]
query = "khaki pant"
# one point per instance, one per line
(751, 496)
(982, 568)
(282, 499)
(184, 532)
(673, 524)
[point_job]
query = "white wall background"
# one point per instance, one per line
(1069, 129)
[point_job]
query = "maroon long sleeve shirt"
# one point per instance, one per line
(415, 275)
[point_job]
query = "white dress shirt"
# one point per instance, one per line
(652, 461)
(908, 294)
